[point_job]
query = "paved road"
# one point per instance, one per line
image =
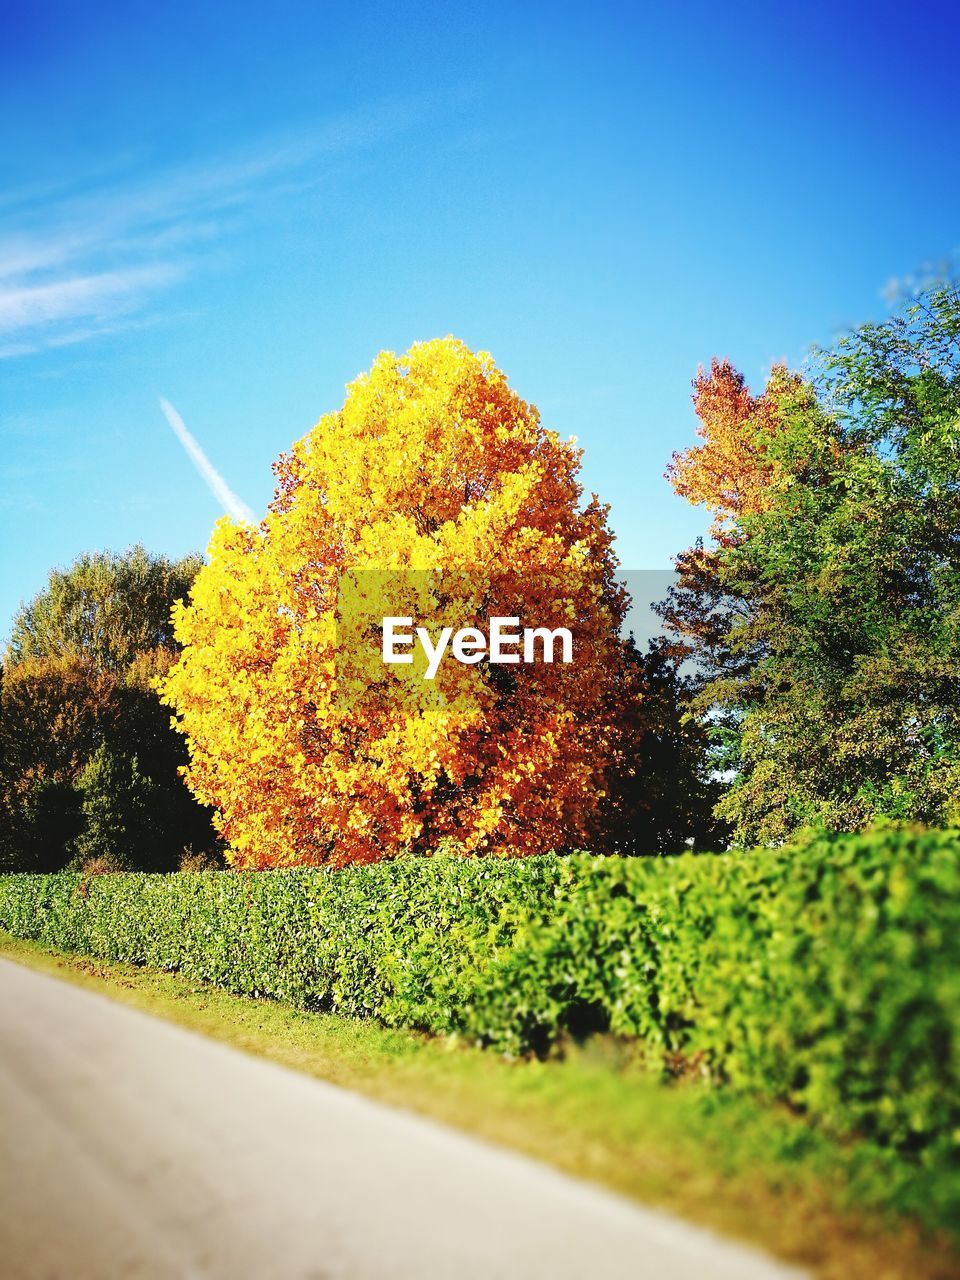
(133, 1148)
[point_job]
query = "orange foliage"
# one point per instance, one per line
(437, 482)
(54, 712)
(731, 471)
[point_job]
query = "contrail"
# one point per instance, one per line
(212, 478)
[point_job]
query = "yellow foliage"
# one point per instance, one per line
(435, 492)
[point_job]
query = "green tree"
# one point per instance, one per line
(107, 609)
(41, 828)
(825, 615)
(77, 682)
(122, 814)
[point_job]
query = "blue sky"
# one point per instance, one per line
(237, 208)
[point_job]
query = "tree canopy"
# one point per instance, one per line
(825, 614)
(434, 492)
(78, 713)
(107, 610)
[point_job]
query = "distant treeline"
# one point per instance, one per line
(808, 677)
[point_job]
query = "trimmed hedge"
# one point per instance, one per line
(827, 975)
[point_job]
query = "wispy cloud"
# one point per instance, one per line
(78, 262)
(79, 297)
(211, 477)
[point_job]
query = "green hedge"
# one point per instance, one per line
(827, 976)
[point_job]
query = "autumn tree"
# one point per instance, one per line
(434, 493)
(731, 471)
(825, 614)
(78, 688)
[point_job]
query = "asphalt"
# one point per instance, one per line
(130, 1147)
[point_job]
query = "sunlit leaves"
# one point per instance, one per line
(434, 471)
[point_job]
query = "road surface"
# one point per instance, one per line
(133, 1148)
